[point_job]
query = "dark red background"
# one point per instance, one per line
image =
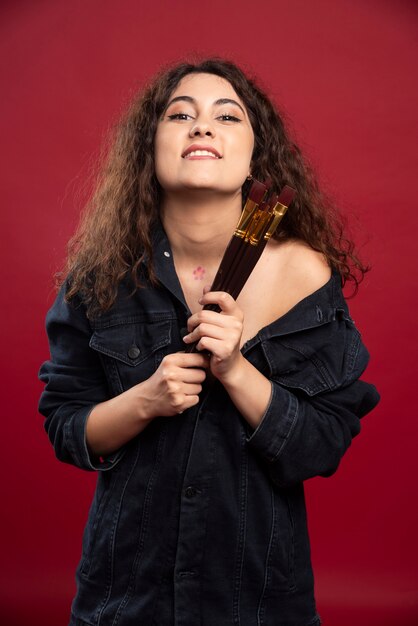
(345, 72)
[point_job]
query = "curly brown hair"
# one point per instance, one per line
(115, 234)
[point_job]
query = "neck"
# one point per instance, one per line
(199, 228)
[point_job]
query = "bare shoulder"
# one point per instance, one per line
(302, 269)
(306, 263)
(286, 273)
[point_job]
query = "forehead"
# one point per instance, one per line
(205, 87)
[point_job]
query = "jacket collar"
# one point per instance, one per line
(315, 310)
(164, 264)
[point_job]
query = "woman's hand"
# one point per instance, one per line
(218, 333)
(174, 387)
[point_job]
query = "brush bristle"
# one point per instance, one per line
(286, 195)
(257, 191)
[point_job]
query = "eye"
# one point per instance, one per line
(227, 117)
(180, 116)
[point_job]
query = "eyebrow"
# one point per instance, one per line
(193, 101)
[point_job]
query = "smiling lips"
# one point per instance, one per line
(200, 152)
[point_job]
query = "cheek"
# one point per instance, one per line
(243, 153)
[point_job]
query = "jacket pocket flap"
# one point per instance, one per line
(132, 343)
(318, 359)
(303, 373)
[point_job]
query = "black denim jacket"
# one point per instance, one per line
(199, 520)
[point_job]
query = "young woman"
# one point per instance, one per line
(199, 516)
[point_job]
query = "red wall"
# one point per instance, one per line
(346, 74)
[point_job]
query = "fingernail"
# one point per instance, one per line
(186, 338)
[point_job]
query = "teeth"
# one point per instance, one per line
(201, 153)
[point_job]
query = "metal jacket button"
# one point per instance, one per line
(190, 492)
(134, 352)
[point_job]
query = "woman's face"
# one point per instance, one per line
(204, 139)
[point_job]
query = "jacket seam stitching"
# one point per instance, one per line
(111, 548)
(144, 526)
(242, 534)
(294, 411)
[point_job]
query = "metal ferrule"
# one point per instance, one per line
(245, 219)
(258, 226)
(279, 211)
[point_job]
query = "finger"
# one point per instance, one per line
(187, 403)
(192, 375)
(217, 348)
(183, 359)
(192, 390)
(206, 288)
(190, 401)
(211, 317)
(225, 301)
(205, 330)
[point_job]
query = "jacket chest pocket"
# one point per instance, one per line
(131, 352)
(314, 360)
(296, 366)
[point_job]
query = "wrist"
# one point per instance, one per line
(139, 405)
(249, 390)
(235, 375)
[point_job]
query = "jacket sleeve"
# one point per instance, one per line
(74, 384)
(301, 437)
(317, 399)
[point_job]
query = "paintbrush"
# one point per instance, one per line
(260, 231)
(255, 196)
(260, 224)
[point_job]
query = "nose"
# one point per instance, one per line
(202, 128)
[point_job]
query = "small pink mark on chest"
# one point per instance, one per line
(199, 273)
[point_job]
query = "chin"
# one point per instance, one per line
(202, 183)
(212, 184)
(197, 185)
